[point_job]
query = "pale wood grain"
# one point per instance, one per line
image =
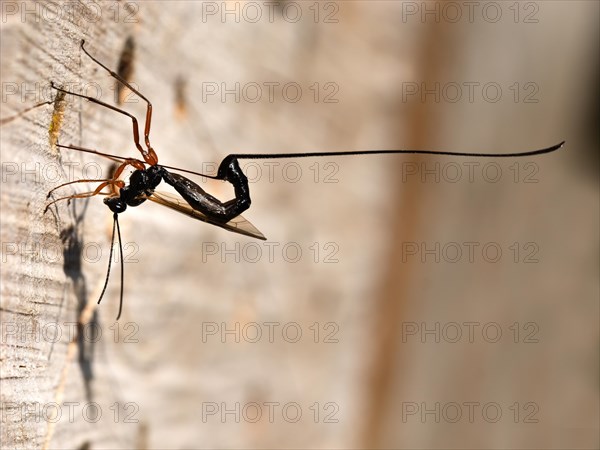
(160, 368)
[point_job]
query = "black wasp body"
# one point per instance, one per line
(143, 182)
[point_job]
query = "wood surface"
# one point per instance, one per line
(181, 369)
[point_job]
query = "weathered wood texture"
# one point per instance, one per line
(185, 367)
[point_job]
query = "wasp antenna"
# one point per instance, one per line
(110, 253)
(122, 265)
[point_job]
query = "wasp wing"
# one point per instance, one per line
(237, 224)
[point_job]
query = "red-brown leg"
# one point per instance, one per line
(136, 135)
(151, 158)
(85, 194)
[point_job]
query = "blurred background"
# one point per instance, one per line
(399, 301)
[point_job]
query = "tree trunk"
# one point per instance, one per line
(299, 341)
